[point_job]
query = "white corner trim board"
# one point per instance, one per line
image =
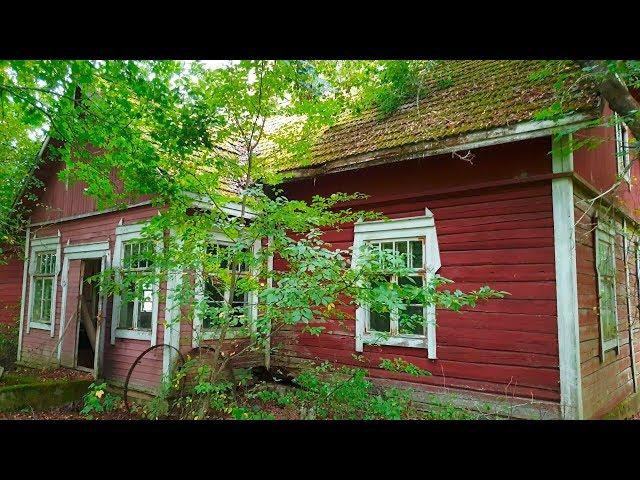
(25, 272)
(400, 229)
(172, 322)
(566, 282)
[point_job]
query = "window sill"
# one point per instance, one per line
(133, 334)
(399, 341)
(40, 326)
(237, 332)
(611, 345)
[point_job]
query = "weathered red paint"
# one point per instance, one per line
(597, 164)
(11, 266)
(38, 345)
(501, 236)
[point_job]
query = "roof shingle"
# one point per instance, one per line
(461, 97)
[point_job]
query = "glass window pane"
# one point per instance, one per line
(414, 280)
(37, 300)
(47, 291)
(214, 296)
(409, 323)
(401, 247)
(379, 322)
(240, 304)
(607, 285)
(146, 305)
(134, 254)
(45, 263)
(144, 320)
(416, 254)
(126, 315)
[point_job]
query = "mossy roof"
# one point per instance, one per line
(461, 97)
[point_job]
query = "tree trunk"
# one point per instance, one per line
(615, 92)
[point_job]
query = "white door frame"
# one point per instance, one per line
(86, 251)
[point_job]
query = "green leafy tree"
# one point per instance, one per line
(178, 133)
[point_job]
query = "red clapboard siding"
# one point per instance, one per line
(502, 237)
(11, 267)
(38, 345)
(605, 381)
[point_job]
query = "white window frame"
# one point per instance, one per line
(410, 228)
(41, 245)
(199, 333)
(605, 230)
(623, 158)
(127, 233)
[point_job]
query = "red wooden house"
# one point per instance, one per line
(472, 178)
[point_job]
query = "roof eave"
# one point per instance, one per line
(484, 138)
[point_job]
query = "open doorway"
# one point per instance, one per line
(88, 308)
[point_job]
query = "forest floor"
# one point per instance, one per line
(245, 405)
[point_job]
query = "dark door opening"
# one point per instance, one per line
(87, 314)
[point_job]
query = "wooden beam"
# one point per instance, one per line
(25, 272)
(566, 281)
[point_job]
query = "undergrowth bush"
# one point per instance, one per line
(322, 391)
(97, 400)
(8, 345)
(333, 392)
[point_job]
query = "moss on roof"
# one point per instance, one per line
(462, 96)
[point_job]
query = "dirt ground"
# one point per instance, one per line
(67, 412)
(43, 375)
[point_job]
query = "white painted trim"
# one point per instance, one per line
(566, 282)
(399, 229)
(623, 156)
(55, 285)
(395, 341)
(172, 317)
(77, 252)
(231, 208)
(45, 241)
(47, 244)
(134, 334)
(40, 326)
(86, 248)
(25, 274)
(129, 229)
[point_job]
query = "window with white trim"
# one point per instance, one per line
(135, 313)
(43, 277)
(606, 270)
(215, 294)
(622, 148)
(416, 238)
(43, 273)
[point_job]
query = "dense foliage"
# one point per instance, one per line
(181, 133)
